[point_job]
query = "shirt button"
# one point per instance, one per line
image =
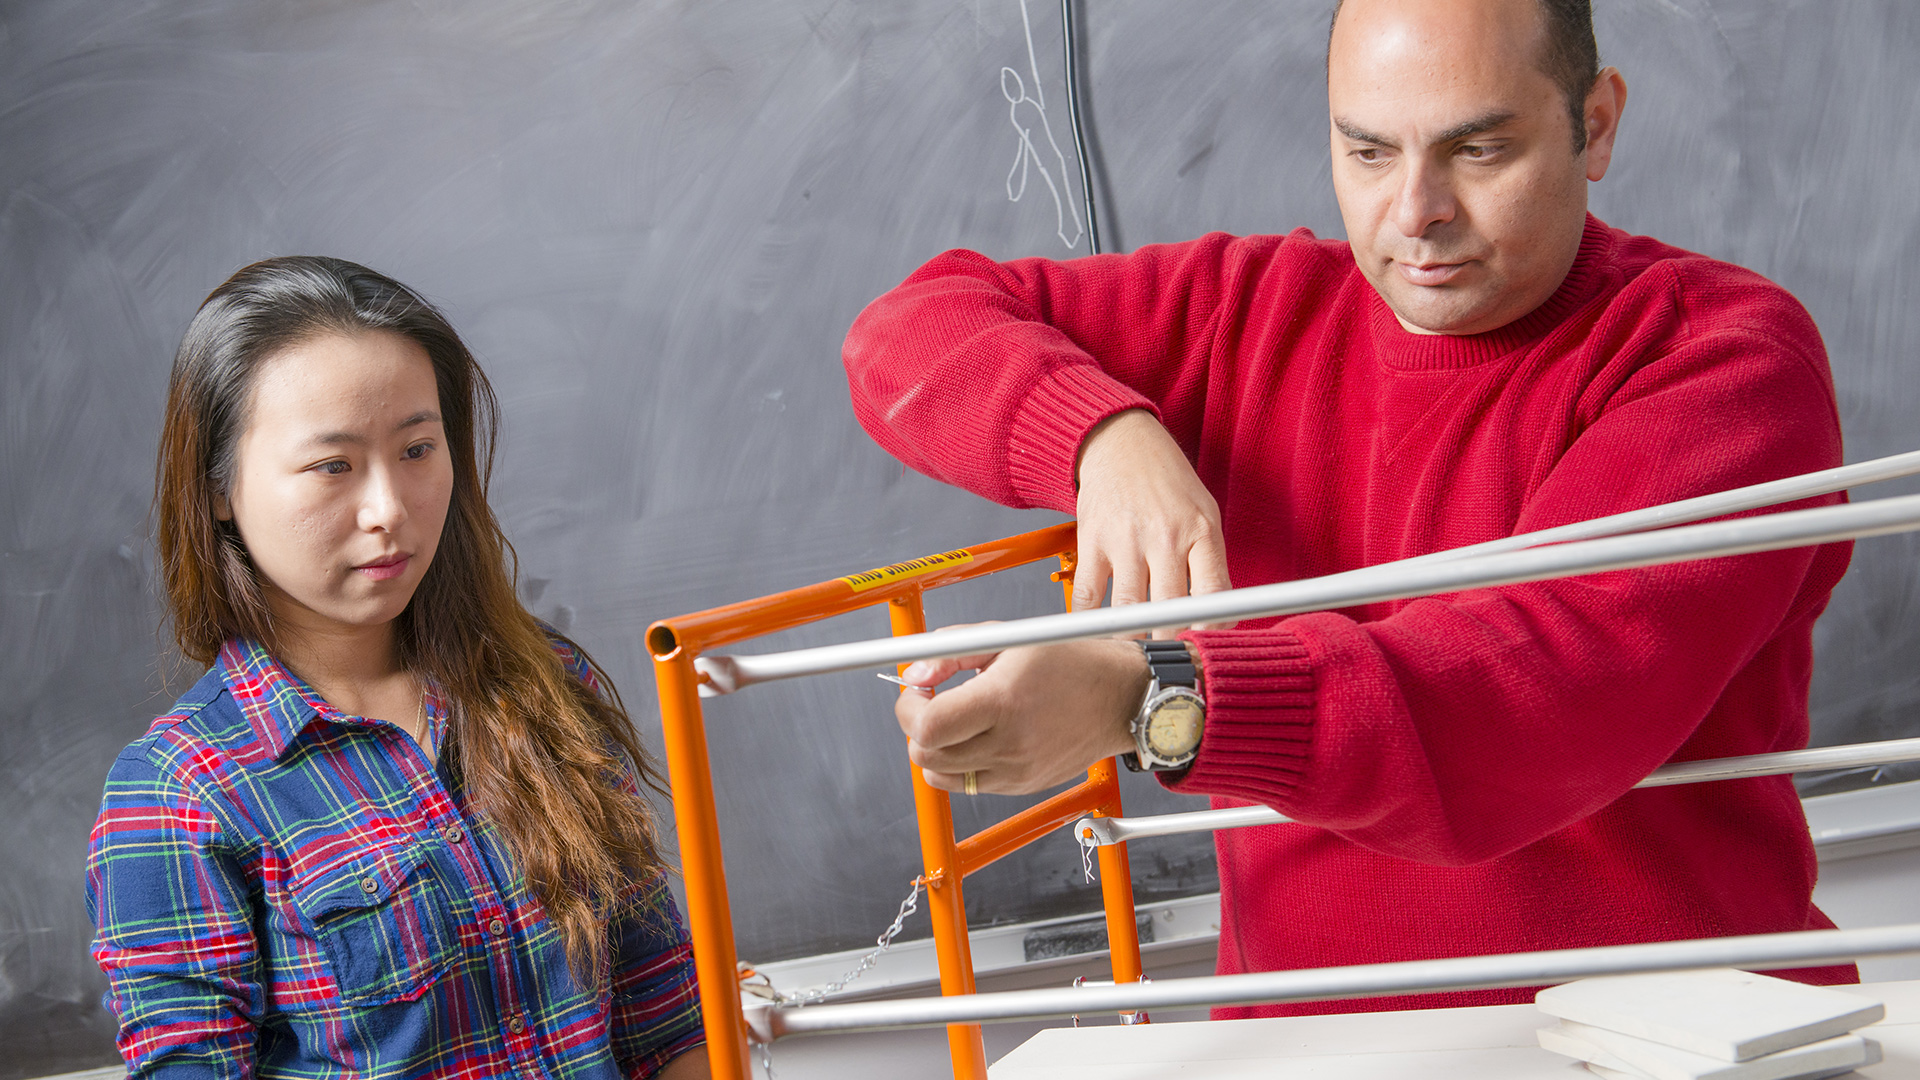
(369, 885)
(497, 927)
(517, 1025)
(453, 834)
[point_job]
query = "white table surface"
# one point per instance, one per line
(1491, 1043)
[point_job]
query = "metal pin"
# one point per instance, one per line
(898, 681)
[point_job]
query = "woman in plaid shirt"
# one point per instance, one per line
(397, 830)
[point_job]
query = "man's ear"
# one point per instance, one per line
(1605, 102)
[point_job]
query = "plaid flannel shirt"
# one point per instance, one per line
(283, 890)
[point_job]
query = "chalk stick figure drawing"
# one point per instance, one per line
(1027, 157)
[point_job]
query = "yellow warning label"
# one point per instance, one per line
(887, 575)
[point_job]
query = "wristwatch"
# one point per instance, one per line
(1166, 733)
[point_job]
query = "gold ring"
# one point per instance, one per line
(973, 782)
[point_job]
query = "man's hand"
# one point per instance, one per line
(1146, 522)
(1034, 717)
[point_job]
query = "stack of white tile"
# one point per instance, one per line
(1708, 1025)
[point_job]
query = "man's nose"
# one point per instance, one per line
(382, 505)
(1425, 199)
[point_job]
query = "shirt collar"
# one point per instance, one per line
(279, 706)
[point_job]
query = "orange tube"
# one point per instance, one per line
(709, 918)
(702, 630)
(1006, 837)
(1116, 885)
(1116, 873)
(945, 905)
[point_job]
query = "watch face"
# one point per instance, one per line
(1173, 726)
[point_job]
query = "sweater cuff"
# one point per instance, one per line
(1051, 424)
(1260, 715)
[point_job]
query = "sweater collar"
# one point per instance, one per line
(1412, 352)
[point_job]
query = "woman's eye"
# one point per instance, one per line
(418, 451)
(333, 468)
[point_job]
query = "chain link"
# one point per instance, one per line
(820, 993)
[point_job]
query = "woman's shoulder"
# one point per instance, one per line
(197, 742)
(572, 656)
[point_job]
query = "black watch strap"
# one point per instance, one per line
(1171, 665)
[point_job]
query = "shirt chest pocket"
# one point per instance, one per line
(383, 924)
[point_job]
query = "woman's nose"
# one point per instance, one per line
(382, 508)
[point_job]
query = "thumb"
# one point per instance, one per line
(931, 673)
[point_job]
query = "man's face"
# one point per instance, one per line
(1453, 159)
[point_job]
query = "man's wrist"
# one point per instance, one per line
(1121, 420)
(1168, 727)
(1132, 677)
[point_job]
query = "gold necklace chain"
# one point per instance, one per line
(420, 717)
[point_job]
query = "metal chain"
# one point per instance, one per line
(882, 943)
(820, 993)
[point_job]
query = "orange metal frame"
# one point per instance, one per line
(675, 643)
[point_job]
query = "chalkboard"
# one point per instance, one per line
(654, 222)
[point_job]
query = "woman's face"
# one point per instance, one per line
(341, 479)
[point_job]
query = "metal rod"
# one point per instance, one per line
(1889, 752)
(1101, 831)
(1755, 496)
(1699, 508)
(1073, 120)
(1755, 952)
(1390, 581)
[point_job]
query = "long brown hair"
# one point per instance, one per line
(539, 753)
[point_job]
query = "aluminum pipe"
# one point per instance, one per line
(1699, 508)
(1101, 831)
(1390, 581)
(1757, 952)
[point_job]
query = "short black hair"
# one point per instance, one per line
(1572, 57)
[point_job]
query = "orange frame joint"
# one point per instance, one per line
(675, 643)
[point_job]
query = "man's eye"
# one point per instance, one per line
(333, 468)
(1368, 155)
(1475, 152)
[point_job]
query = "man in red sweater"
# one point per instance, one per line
(1481, 358)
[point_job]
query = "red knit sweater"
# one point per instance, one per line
(1461, 764)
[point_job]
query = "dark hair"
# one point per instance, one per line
(538, 751)
(1571, 60)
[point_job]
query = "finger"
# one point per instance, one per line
(1168, 581)
(947, 720)
(931, 673)
(1090, 574)
(926, 674)
(907, 709)
(1131, 578)
(1207, 564)
(956, 758)
(954, 782)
